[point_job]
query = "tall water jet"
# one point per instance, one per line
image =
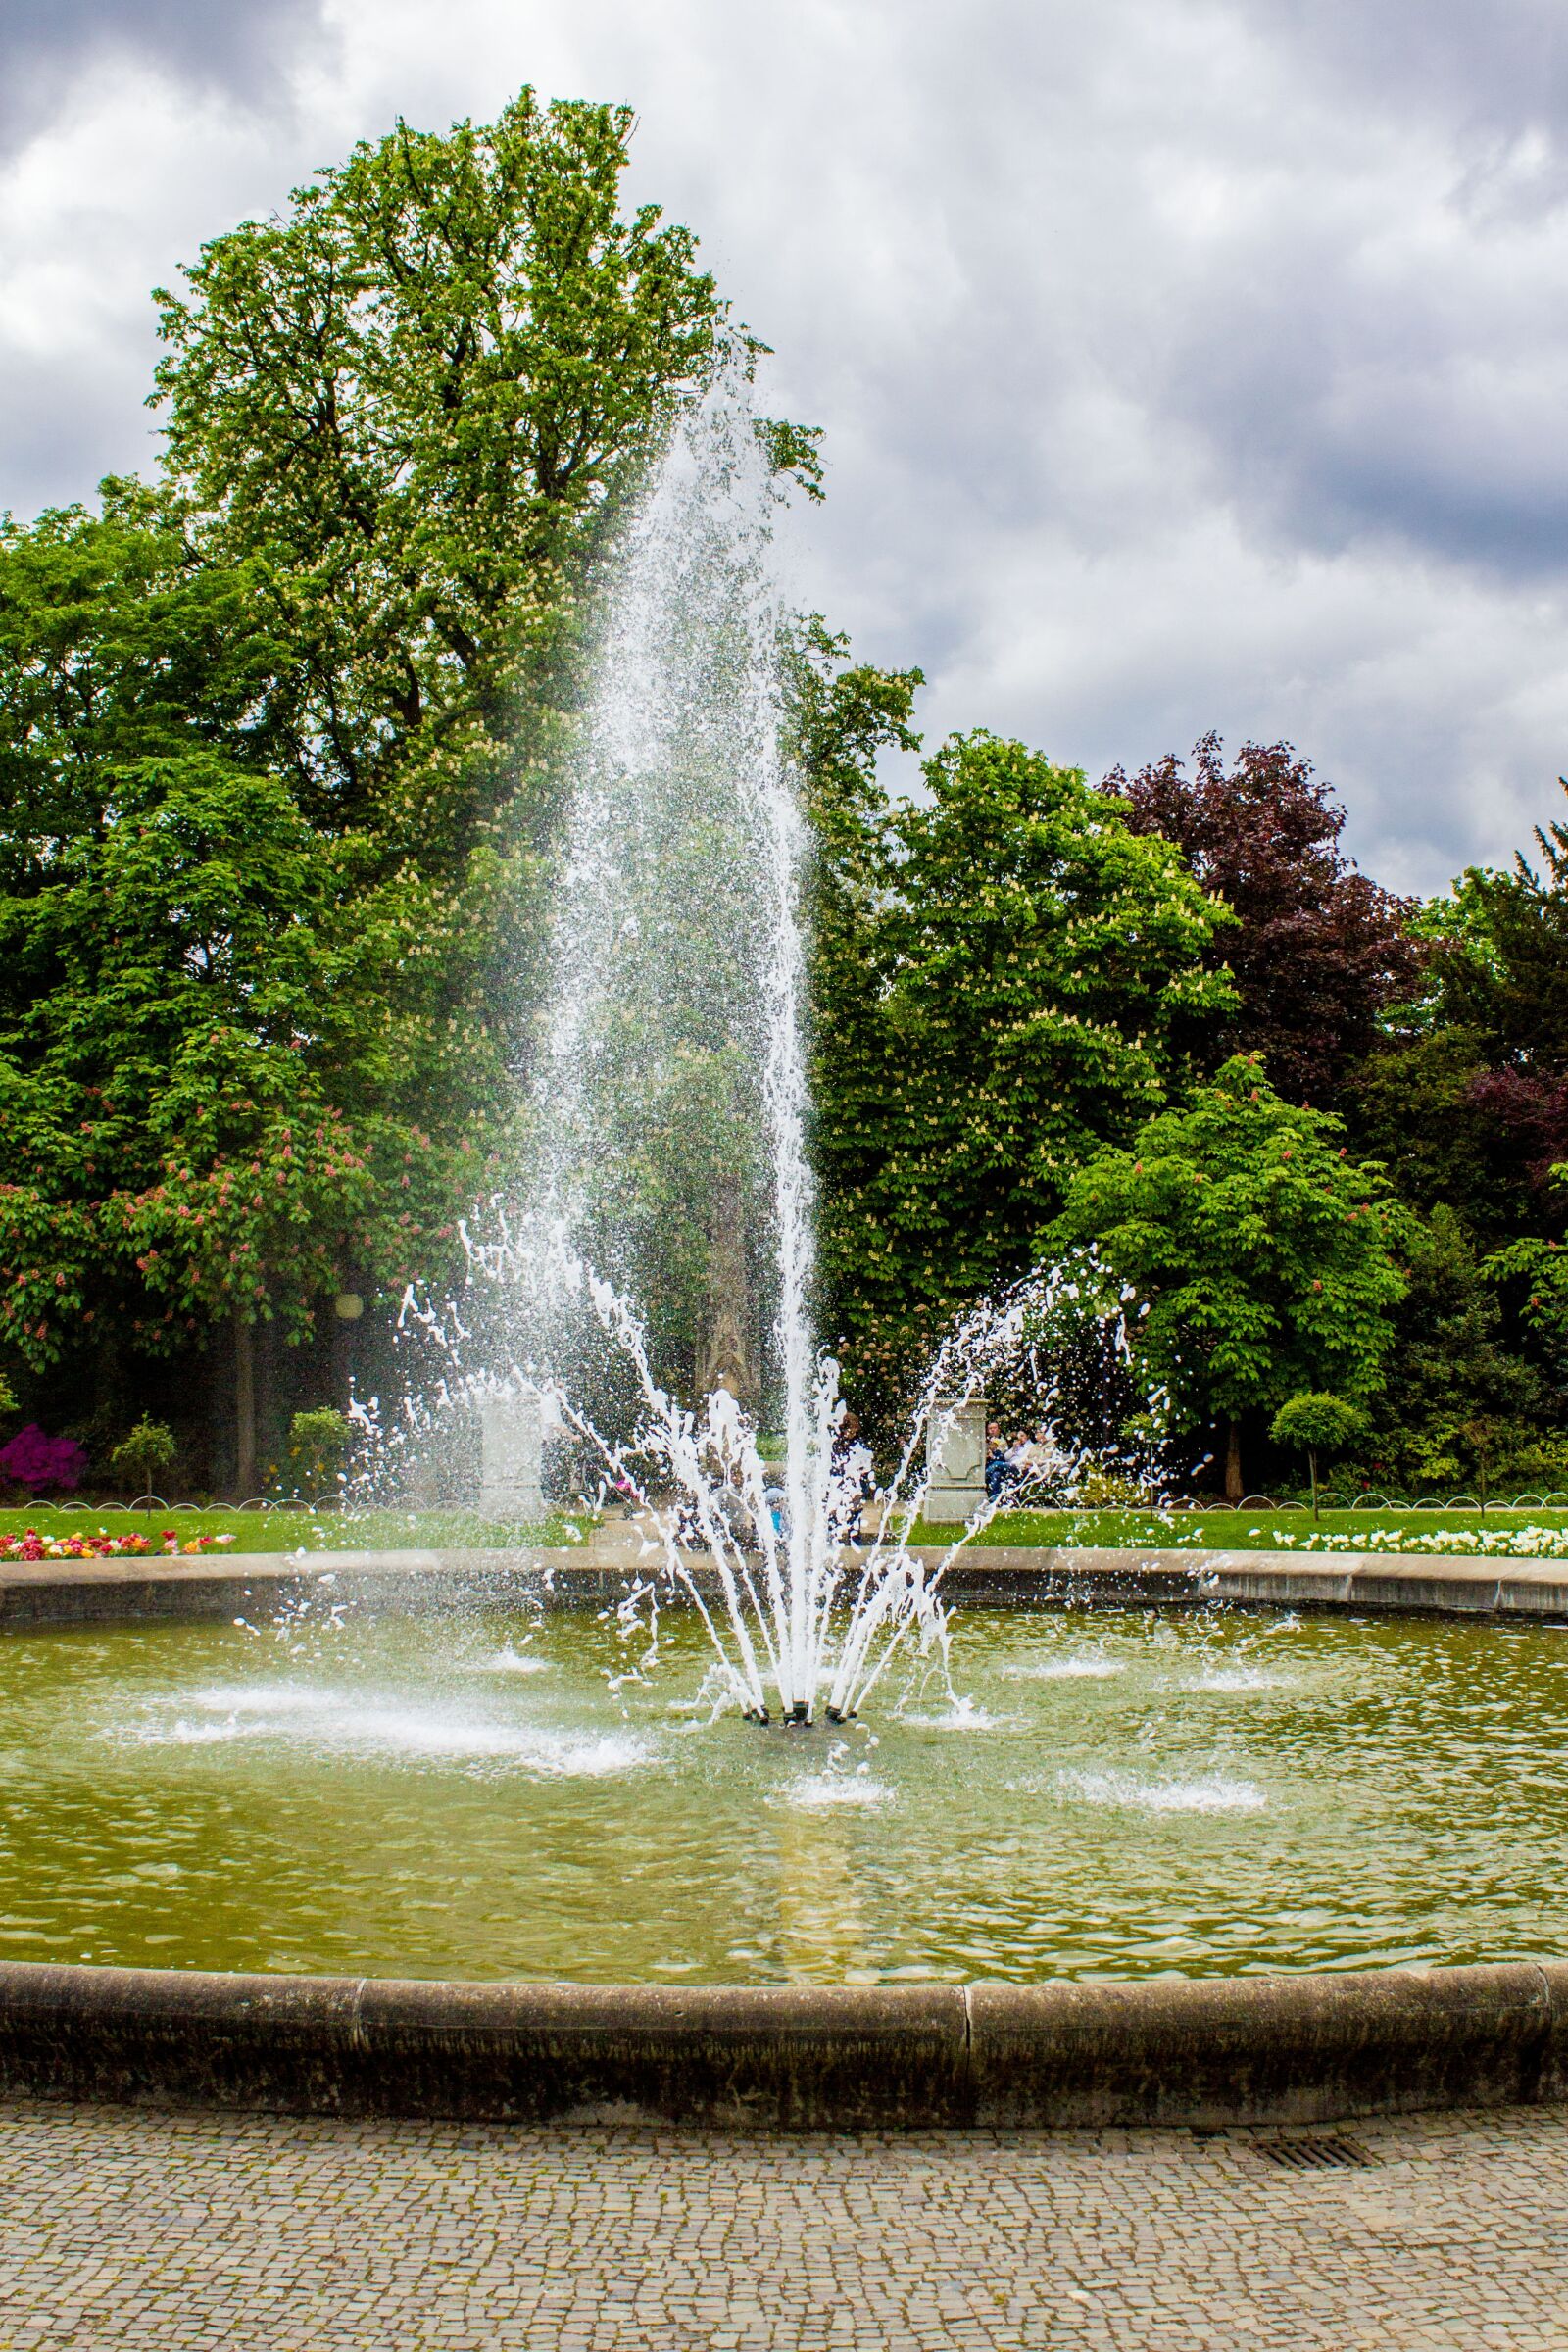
(669, 1096)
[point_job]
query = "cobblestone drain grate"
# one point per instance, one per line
(1329, 2153)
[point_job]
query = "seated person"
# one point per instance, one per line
(999, 1470)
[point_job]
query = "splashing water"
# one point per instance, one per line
(670, 1102)
(794, 1603)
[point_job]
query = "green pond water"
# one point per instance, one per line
(1121, 1794)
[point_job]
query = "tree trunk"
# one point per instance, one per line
(266, 1370)
(342, 1363)
(726, 1358)
(1234, 1490)
(244, 1408)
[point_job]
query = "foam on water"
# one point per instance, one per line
(1212, 1792)
(1237, 1678)
(180, 1733)
(816, 1791)
(1086, 1668)
(962, 1716)
(331, 1721)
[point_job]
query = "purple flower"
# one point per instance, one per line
(36, 1461)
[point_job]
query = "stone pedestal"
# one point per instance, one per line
(510, 1458)
(957, 1470)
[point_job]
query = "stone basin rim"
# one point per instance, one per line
(59, 1593)
(1204, 2053)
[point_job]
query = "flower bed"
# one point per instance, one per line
(1484, 1543)
(102, 1546)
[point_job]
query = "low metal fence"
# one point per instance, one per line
(1332, 1498)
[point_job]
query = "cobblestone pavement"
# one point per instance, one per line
(154, 2232)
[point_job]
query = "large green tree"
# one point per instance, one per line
(1263, 1261)
(230, 1044)
(1012, 979)
(415, 403)
(228, 1061)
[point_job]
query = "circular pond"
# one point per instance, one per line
(1120, 1795)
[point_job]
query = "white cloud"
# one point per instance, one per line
(1182, 365)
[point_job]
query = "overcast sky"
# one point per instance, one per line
(1184, 363)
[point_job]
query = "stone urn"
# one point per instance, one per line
(956, 1463)
(511, 1453)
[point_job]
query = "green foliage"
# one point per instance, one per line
(841, 716)
(317, 1442)
(1414, 1107)
(416, 401)
(1262, 1259)
(1506, 974)
(1317, 1423)
(1450, 1373)
(1540, 1266)
(8, 1398)
(1451, 924)
(140, 1455)
(1523, 1460)
(209, 1102)
(1494, 1031)
(1013, 974)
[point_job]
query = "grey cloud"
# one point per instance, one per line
(1381, 428)
(1502, 66)
(204, 43)
(1183, 365)
(1244, 410)
(62, 440)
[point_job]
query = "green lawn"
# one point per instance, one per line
(291, 1530)
(1542, 1534)
(1287, 1531)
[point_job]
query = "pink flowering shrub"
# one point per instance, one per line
(36, 1461)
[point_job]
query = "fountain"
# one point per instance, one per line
(669, 1115)
(505, 1788)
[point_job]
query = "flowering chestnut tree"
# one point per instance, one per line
(283, 734)
(209, 1106)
